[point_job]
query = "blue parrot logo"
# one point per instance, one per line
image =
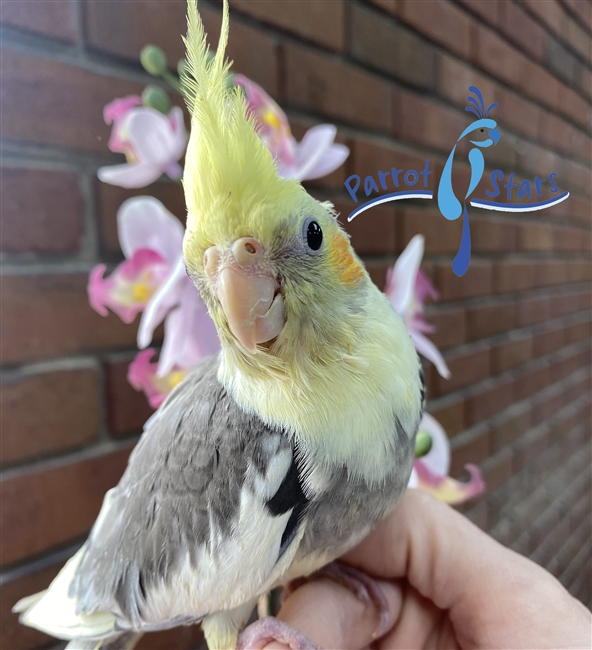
(484, 134)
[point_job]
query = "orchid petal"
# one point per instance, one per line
(437, 460)
(129, 175)
(127, 290)
(404, 274)
(141, 375)
(332, 159)
(426, 348)
(144, 222)
(179, 141)
(190, 333)
(151, 136)
(448, 489)
(162, 301)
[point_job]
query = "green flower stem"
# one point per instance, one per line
(171, 79)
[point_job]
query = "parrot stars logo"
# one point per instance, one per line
(480, 134)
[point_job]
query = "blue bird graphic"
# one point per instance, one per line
(448, 203)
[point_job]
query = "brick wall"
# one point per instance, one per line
(393, 75)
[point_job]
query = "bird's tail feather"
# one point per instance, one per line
(54, 612)
(126, 641)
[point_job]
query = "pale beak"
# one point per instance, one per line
(248, 292)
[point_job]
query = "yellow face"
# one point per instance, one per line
(269, 277)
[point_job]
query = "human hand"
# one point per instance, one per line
(448, 585)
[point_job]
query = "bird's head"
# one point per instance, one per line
(484, 130)
(272, 264)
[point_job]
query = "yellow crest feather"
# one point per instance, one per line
(229, 173)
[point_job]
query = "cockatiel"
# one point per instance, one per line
(273, 457)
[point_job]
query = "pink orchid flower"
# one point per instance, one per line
(407, 288)
(430, 472)
(152, 143)
(315, 156)
(142, 375)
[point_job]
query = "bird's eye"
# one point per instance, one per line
(482, 130)
(314, 235)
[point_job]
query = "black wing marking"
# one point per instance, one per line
(290, 496)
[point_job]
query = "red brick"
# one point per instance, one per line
(127, 408)
(386, 45)
(574, 106)
(566, 303)
(42, 211)
(549, 12)
(421, 121)
(489, 320)
(48, 412)
(577, 176)
(370, 156)
(476, 282)
(110, 198)
(14, 634)
(373, 232)
(580, 209)
(530, 446)
(466, 368)
(442, 22)
(535, 237)
(518, 113)
(490, 399)
(501, 60)
(497, 470)
(455, 77)
(49, 507)
(510, 426)
(555, 132)
(321, 84)
(583, 11)
(568, 239)
(392, 6)
(551, 273)
(546, 406)
(578, 270)
(576, 36)
(577, 332)
(124, 28)
(48, 315)
(511, 353)
(320, 22)
(547, 341)
(450, 415)
(475, 450)
(253, 52)
(487, 9)
(532, 380)
(450, 327)
(377, 272)
(51, 18)
(513, 275)
(493, 236)
(49, 102)
(532, 310)
(441, 236)
(520, 28)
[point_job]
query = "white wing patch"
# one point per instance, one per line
(233, 570)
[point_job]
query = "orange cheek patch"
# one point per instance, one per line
(345, 264)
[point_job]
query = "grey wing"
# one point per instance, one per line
(209, 502)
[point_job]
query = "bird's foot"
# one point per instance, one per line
(266, 630)
(363, 587)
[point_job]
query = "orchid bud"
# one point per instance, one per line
(155, 97)
(153, 60)
(423, 444)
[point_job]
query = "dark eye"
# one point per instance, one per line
(482, 130)
(314, 236)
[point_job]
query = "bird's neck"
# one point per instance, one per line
(340, 407)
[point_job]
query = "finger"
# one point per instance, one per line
(461, 569)
(333, 617)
